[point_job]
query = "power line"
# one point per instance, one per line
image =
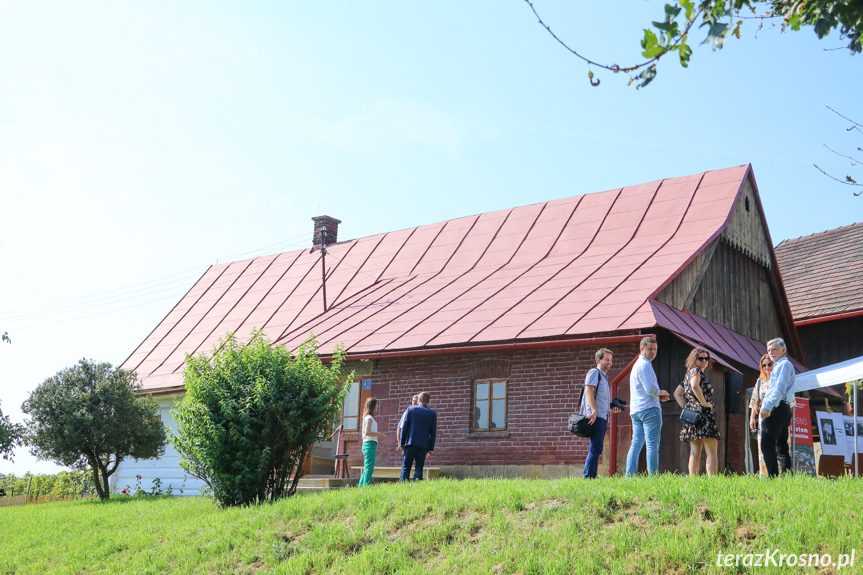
(270, 248)
(98, 294)
(126, 293)
(25, 328)
(84, 306)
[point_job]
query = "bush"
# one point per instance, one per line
(11, 435)
(89, 416)
(251, 414)
(62, 483)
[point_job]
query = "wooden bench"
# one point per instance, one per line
(831, 466)
(395, 472)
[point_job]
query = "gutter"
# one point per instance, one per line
(163, 391)
(824, 318)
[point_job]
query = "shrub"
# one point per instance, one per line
(11, 435)
(89, 416)
(251, 414)
(62, 483)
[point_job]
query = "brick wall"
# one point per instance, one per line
(542, 388)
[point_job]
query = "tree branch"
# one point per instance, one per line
(859, 125)
(851, 183)
(117, 460)
(854, 161)
(615, 67)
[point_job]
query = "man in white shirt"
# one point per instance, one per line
(645, 409)
(776, 410)
(415, 400)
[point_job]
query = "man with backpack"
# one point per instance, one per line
(596, 405)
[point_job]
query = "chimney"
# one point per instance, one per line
(326, 230)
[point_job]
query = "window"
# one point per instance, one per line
(489, 407)
(351, 408)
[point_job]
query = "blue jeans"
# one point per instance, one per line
(370, 449)
(646, 427)
(596, 439)
(413, 455)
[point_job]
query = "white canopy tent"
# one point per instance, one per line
(836, 374)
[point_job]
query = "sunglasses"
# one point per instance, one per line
(703, 358)
(766, 365)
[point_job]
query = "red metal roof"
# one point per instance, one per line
(580, 265)
(692, 328)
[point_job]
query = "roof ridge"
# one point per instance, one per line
(791, 240)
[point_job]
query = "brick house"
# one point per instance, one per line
(498, 315)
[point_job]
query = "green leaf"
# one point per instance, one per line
(670, 29)
(717, 33)
(671, 12)
(652, 47)
(649, 39)
(690, 6)
(685, 54)
(647, 76)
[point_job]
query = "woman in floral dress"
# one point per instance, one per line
(696, 393)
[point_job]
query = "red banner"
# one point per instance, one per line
(802, 422)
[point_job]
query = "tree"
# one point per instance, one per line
(10, 436)
(672, 32)
(855, 162)
(91, 416)
(251, 415)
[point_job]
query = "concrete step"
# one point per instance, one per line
(301, 489)
(324, 482)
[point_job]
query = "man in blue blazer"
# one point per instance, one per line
(418, 436)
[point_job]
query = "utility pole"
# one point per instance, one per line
(324, 266)
(328, 228)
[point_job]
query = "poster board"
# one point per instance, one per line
(831, 428)
(848, 425)
(801, 429)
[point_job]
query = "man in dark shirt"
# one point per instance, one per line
(418, 437)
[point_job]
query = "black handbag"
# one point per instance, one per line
(580, 425)
(690, 416)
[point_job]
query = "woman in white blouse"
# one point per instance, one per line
(761, 388)
(370, 440)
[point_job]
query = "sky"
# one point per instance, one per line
(141, 143)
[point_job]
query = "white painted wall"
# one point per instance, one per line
(167, 468)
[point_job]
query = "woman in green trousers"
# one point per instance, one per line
(370, 440)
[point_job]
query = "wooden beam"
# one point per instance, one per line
(708, 256)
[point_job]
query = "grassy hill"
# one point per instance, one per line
(665, 525)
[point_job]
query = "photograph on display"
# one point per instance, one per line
(831, 426)
(828, 436)
(848, 421)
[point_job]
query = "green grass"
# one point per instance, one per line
(666, 524)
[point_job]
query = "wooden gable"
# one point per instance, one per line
(734, 280)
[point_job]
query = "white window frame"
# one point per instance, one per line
(351, 407)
